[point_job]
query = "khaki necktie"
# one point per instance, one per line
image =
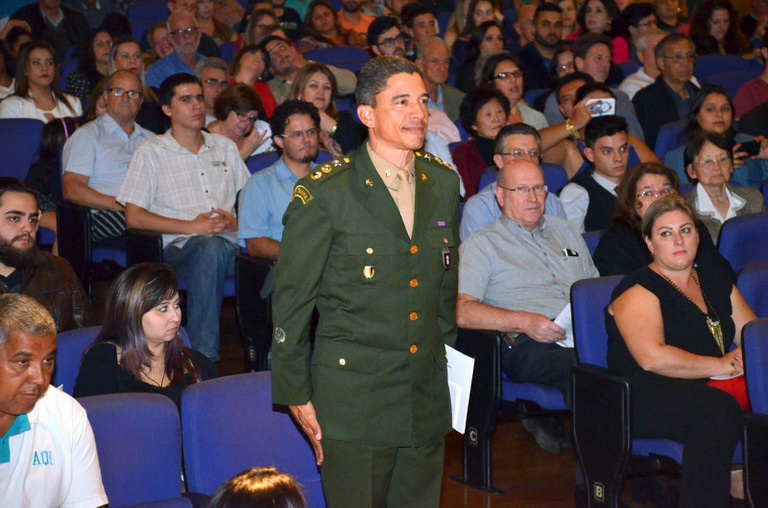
(404, 200)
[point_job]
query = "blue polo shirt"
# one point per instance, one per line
(168, 66)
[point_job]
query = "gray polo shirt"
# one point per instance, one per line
(506, 266)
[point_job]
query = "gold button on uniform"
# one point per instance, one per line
(414, 316)
(414, 249)
(414, 349)
(414, 283)
(369, 250)
(342, 361)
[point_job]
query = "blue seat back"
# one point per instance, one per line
(589, 297)
(630, 67)
(142, 15)
(668, 138)
(732, 81)
(753, 284)
(743, 240)
(755, 345)
(555, 177)
(708, 65)
(351, 59)
(138, 436)
(532, 95)
(230, 425)
(70, 347)
(19, 145)
(592, 238)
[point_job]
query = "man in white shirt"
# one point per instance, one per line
(47, 449)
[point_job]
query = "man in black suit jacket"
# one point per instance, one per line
(669, 98)
(548, 29)
(50, 21)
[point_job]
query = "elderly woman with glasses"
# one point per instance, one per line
(237, 110)
(621, 249)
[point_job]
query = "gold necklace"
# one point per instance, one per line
(715, 328)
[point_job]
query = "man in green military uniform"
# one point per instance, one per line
(370, 239)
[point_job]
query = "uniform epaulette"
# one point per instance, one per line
(434, 159)
(328, 169)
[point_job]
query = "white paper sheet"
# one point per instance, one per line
(460, 369)
(563, 320)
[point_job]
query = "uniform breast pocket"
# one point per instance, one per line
(369, 260)
(442, 252)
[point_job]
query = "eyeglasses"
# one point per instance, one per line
(722, 162)
(101, 44)
(185, 31)
(503, 76)
(391, 41)
(300, 134)
(679, 58)
(565, 66)
(666, 191)
(523, 190)
(245, 116)
(216, 83)
(119, 92)
(520, 154)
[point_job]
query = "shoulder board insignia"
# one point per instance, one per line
(326, 168)
(316, 175)
(346, 159)
(302, 193)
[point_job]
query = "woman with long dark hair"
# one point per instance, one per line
(714, 30)
(92, 64)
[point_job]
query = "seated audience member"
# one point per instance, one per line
(483, 114)
(712, 111)
(27, 270)
(185, 37)
(97, 104)
(213, 73)
(524, 27)
(126, 55)
(669, 16)
(251, 66)
(340, 132)
(351, 17)
(601, 17)
(645, 47)
(636, 20)
(37, 419)
(237, 110)
(7, 81)
(92, 64)
(290, 17)
(285, 62)
(670, 328)
(621, 249)
(419, 24)
(670, 96)
(753, 24)
(506, 73)
(37, 87)
(515, 141)
(561, 65)
(485, 40)
(592, 55)
(590, 198)
(259, 487)
(433, 60)
(709, 163)
(569, 8)
(16, 36)
(386, 37)
(537, 55)
(56, 24)
(264, 199)
(755, 122)
(714, 30)
(138, 348)
(261, 21)
(96, 158)
(469, 14)
(754, 92)
(163, 192)
(159, 40)
(503, 288)
(210, 25)
(323, 30)
(206, 45)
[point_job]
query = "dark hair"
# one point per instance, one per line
(489, 69)
(584, 43)
(238, 98)
(734, 42)
(22, 82)
(251, 48)
(168, 86)
(626, 202)
(602, 126)
(303, 77)
(10, 184)
(595, 86)
(259, 487)
(378, 26)
(7, 57)
(309, 29)
(137, 290)
(469, 25)
(86, 62)
(631, 16)
(55, 134)
(515, 129)
(563, 47)
(476, 40)
(474, 101)
(373, 77)
(411, 11)
(570, 78)
(283, 113)
(270, 38)
(259, 11)
(665, 204)
(98, 91)
(697, 142)
(116, 24)
(610, 8)
(546, 7)
(151, 33)
(658, 53)
(692, 126)
(14, 34)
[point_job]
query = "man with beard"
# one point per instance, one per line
(185, 36)
(385, 37)
(537, 55)
(370, 239)
(351, 17)
(295, 129)
(27, 270)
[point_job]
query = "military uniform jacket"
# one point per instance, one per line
(377, 373)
